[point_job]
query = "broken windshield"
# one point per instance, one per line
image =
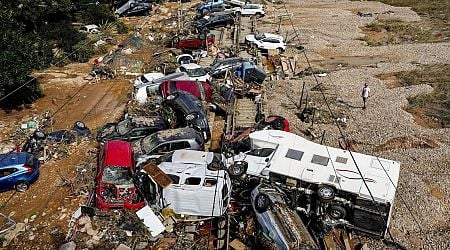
(117, 176)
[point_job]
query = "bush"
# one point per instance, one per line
(121, 28)
(83, 51)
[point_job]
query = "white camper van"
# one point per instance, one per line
(200, 185)
(326, 179)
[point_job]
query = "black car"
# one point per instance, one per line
(219, 67)
(132, 128)
(214, 21)
(187, 110)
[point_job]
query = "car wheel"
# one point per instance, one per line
(260, 117)
(80, 125)
(175, 40)
(237, 169)
(39, 135)
(262, 202)
(280, 50)
(259, 15)
(22, 186)
(337, 212)
(326, 193)
(202, 36)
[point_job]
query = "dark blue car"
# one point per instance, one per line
(18, 171)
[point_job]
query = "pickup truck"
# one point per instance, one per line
(209, 5)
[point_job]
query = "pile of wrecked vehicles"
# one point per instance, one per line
(193, 184)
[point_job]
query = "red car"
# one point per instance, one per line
(115, 188)
(202, 90)
(193, 41)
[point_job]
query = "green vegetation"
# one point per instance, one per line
(382, 32)
(434, 107)
(31, 32)
(435, 27)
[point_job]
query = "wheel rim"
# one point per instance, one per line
(261, 201)
(326, 193)
(22, 187)
(236, 168)
(335, 214)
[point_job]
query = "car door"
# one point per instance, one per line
(257, 160)
(7, 178)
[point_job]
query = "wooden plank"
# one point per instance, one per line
(157, 174)
(329, 242)
(238, 245)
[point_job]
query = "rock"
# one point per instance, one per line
(123, 247)
(68, 246)
(33, 217)
(12, 213)
(25, 221)
(11, 235)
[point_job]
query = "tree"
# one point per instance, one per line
(17, 60)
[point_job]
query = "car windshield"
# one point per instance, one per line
(144, 80)
(123, 127)
(196, 72)
(149, 143)
(117, 176)
(260, 36)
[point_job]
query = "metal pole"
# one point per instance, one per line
(301, 96)
(323, 138)
(312, 121)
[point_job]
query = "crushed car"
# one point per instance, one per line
(132, 128)
(200, 186)
(278, 222)
(192, 42)
(134, 7)
(148, 84)
(184, 109)
(195, 72)
(116, 168)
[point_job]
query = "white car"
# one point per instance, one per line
(195, 72)
(250, 10)
(267, 41)
(91, 29)
(148, 84)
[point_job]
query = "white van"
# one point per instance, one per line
(329, 175)
(197, 187)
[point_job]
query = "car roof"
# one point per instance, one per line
(190, 170)
(177, 134)
(191, 66)
(118, 154)
(13, 159)
(192, 156)
(147, 121)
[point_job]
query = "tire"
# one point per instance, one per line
(21, 186)
(175, 40)
(259, 15)
(202, 36)
(326, 193)
(39, 135)
(80, 125)
(280, 50)
(262, 202)
(337, 212)
(260, 117)
(237, 169)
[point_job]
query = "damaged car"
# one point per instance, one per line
(281, 225)
(184, 109)
(115, 188)
(200, 89)
(148, 84)
(195, 188)
(132, 128)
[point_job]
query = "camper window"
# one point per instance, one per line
(294, 154)
(193, 181)
(342, 160)
(210, 182)
(321, 160)
(175, 178)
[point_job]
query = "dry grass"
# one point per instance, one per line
(436, 15)
(433, 108)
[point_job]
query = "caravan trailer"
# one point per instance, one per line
(330, 182)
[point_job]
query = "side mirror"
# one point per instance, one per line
(266, 160)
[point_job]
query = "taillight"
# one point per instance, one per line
(29, 169)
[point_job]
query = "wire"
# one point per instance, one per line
(340, 130)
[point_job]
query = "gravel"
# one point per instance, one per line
(331, 28)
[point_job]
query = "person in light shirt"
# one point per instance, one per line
(365, 94)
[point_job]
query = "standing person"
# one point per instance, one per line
(365, 94)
